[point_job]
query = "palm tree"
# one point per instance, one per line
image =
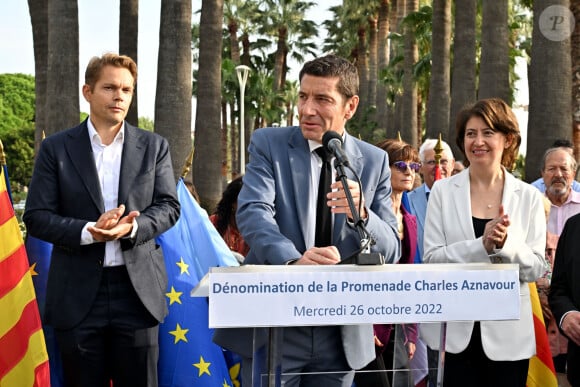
(128, 39)
(206, 166)
(62, 82)
(174, 82)
(439, 89)
(550, 82)
(409, 125)
(495, 54)
(463, 89)
(382, 63)
(39, 18)
(286, 22)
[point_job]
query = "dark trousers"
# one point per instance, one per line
(117, 341)
(311, 357)
(473, 368)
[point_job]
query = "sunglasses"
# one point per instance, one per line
(402, 166)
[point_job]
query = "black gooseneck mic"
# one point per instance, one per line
(332, 141)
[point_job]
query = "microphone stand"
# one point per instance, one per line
(364, 255)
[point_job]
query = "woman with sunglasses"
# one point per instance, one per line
(404, 163)
(485, 215)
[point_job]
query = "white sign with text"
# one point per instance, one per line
(269, 296)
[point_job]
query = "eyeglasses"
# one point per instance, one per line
(402, 166)
(432, 163)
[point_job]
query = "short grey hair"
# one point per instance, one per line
(571, 159)
(430, 144)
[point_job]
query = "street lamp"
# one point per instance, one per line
(243, 72)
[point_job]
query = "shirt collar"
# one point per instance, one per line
(96, 139)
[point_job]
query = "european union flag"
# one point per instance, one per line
(38, 252)
(187, 355)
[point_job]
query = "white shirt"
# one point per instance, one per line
(108, 163)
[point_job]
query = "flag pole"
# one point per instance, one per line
(188, 163)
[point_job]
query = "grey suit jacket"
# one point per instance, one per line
(65, 194)
(273, 205)
(418, 202)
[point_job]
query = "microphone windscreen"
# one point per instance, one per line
(330, 135)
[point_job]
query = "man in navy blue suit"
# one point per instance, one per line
(100, 193)
(277, 207)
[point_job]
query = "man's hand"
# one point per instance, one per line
(571, 326)
(339, 204)
(112, 226)
(319, 256)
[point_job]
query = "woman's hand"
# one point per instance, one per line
(495, 232)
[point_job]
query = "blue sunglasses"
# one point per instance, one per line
(402, 166)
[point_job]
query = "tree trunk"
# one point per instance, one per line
(463, 89)
(382, 62)
(439, 89)
(39, 19)
(409, 125)
(575, 43)
(373, 72)
(550, 84)
(128, 39)
(494, 69)
(62, 83)
(207, 117)
(174, 83)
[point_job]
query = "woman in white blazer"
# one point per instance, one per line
(484, 214)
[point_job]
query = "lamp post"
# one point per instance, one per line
(242, 72)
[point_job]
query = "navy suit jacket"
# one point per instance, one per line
(565, 287)
(273, 213)
(65, 194)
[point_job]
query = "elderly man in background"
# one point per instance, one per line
(558, 172)
(419, 196)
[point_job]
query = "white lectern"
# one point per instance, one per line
(274, 297)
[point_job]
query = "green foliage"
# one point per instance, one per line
(19, 149)
(146, 123)
(16, 102)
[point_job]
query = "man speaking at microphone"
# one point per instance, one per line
(279, 219)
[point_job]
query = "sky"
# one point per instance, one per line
(98, 33)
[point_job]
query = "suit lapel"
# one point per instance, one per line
(131, 161)
(511, 193)
(78, 146)
(355, 158)
(299, 161)
(460, 198)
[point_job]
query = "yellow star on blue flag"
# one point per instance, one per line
(187, 355)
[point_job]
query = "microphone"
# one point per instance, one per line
(332, 141)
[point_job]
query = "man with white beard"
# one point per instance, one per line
(558, 172)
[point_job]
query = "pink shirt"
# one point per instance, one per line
(559, 215)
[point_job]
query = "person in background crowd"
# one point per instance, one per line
(404, 163)
(101, 193)
(419, 196)
(277, 209)
(558, 171)
(458, 167)
(224, 219)
(485, 214)
(566, 145)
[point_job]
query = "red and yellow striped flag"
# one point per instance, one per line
(541, 372)
(23, 355)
